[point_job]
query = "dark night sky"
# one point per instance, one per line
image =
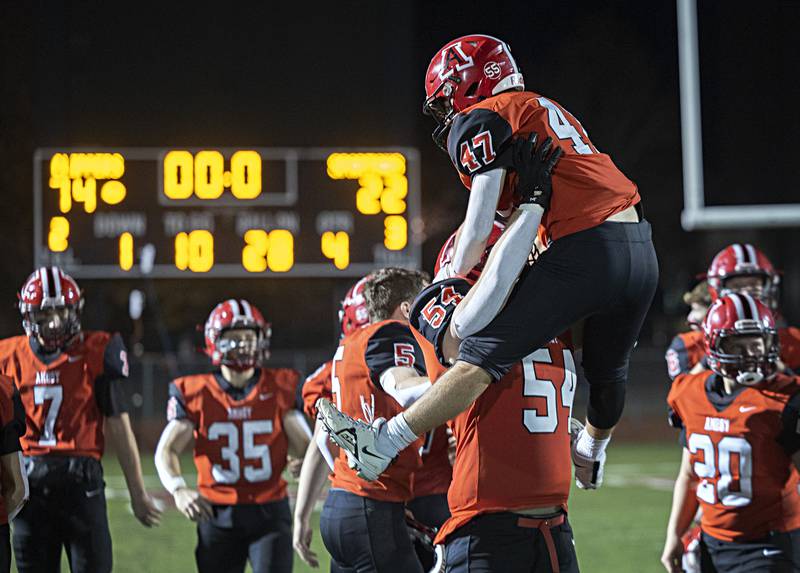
(252, 73)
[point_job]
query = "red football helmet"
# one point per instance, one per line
(50, 303)
(739, 314)
(236, 314)
(353, 314)
(465, 71)
(743, 260)
(446, 254)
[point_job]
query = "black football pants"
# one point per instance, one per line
(606, 275)
(260, 534)
(510, 543)
(776, 553)
(366, 536)
(67, 508)
(433, 511)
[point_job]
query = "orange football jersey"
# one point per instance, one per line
(436, 473)
(317, 386)
(587, 187)
(688, 348)
(746, 486)
(240, 447)
(530, 408)
(62, 412)
(363, 356)
(12, 426)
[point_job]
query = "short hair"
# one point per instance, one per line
(699, 295)
(387, 288)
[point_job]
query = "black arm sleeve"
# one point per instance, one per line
(14, 429)
(479, 141)
(109, 390)
(390, 346)
(790, 422)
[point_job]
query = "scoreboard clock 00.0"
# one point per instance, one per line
(224, 212)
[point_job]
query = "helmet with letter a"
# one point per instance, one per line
(741, 339)
(353, 313)
(50, 303)
(237, 335)
(741, 267)
(463, 72)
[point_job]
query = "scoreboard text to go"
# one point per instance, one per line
(140, 189)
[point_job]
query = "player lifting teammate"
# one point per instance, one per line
(600, 264)
(741, 445)
(70, 383)
(243, 422)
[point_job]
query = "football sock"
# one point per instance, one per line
(394, 436)
(589, 447)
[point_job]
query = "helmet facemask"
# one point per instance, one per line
(440, 107)
(242, 348)
(747, 354)
(55, 326)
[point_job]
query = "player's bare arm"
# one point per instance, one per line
(120, 433)
(297, 433)
(174, 439)
(14, 483)
(684, 508)
(313, 476)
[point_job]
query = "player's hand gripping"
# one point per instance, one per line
(588, 462)
(191, 504)
(146, 509)
(534, 169)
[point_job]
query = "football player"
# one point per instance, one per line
(741, 445)
(71, 386)
(498, 523)
(600, 263)
(377, 371)
(13, 481)
(741, 268)
(243, 422)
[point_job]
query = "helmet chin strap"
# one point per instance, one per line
(749, 378)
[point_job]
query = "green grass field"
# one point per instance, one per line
(618, 529)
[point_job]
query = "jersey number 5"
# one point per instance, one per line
(467, 156)
(535, 422)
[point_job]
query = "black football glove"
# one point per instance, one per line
(534, 169)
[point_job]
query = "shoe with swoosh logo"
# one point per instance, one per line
(356, 438)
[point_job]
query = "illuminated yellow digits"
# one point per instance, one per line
(178, 175)
(58, 235)
(125, 251)
(59, 179)
(336, 246)
(246, 174)
(112, 192)
(195, 251)
(208, 174)
(254, 254)
(381, 176)
(281, 251)
(85, 191)
(395, 232)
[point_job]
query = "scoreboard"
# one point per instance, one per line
(225, 212)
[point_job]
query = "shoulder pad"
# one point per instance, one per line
(478, 141)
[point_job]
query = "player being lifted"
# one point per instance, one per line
(243, 422)
(741, 445)
(70, 383)
(600, 263)
(377, 370)
(738, 268)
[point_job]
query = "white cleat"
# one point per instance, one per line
(355, 437)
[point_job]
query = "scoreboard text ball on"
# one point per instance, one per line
(305, 212)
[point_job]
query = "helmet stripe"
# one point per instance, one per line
(56, 282)
(752, 304)
(235, 307)
(737, 302)
(739, 252)
(246, 307)
(751, 251)
(45, 282)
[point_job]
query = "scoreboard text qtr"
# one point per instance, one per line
(106, 213)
